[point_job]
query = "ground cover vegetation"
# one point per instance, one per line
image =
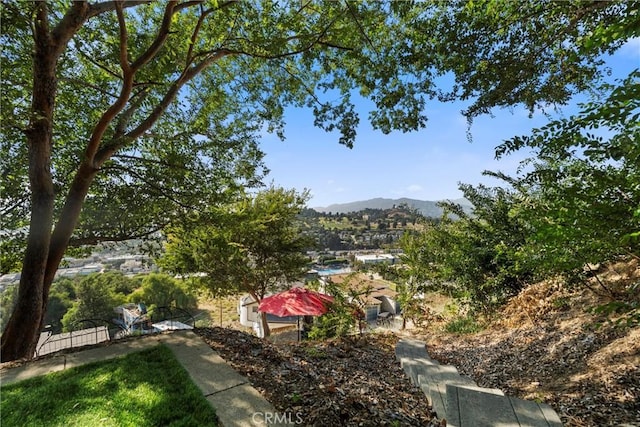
(345, 381)
(549, 344)
(148, 388)
(131, 115)
(544, 345)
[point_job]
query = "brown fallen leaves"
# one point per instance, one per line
(547, 345)
(355, 382)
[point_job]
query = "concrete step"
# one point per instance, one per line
(443, 374)
(476, 407)
(412, 349)
(461, 402)
(415, 367)
(437, 393)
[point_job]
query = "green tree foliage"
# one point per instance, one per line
(584, 191)
(96, 296)
(161, 290)
(503, 53)
(477, 257)
(574, 203)
(584, 186)
(61, 299)
(254, 245)
(8, 299)
(417, 274)
(348, 310)
(122, 115)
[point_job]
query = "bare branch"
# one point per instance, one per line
(124, 60)
(94, 62)
(93, 240)
(161, 37)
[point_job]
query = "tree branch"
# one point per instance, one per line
(159, 190)
(172, 92)
(359, 25)
(161, 37)
(194, 35)
(69, 25)
(108, 116)
(96, 63)
(108, 6)
(150, 161)
(85, 83)
(93, 240)
(125, 117)
(124, 37)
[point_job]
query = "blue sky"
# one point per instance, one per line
(425, 165)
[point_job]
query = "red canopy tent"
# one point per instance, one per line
(296, 302)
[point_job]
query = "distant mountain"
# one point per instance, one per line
(426, 207)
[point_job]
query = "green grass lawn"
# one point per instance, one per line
(148, 388)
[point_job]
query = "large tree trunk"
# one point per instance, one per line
(21, 333)
(20, 336)
(45, 249)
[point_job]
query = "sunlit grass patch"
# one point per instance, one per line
(148, 388)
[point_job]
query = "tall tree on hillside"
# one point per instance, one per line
(253, 246)
(131, 112)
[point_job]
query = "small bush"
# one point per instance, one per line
(463, 325)
(337, 322)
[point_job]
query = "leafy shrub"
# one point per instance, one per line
(463, 325)
(337, 322)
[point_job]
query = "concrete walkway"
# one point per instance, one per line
(236, 402)
(461, 402)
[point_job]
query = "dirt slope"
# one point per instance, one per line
(547, 345)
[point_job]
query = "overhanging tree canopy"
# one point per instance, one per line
(131, 112)
(134, 111)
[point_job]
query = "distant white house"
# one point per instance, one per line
(376, 258)
(132, 318)
(248, 312)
